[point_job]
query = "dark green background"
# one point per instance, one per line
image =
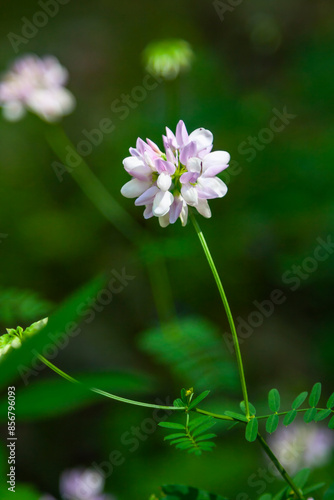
(262, 55)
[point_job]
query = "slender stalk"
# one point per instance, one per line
(216, 415)
(104, 393)
(279, 467)
(300, 410)
(227, 309)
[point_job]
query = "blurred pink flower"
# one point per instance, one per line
(184, 174)
(81, 484)
(299, 446)
(36, 85)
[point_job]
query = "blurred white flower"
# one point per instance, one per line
(168, 58)
(300, 445)
(36, 85)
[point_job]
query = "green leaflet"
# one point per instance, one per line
(171, 425)
(194, 438)
(272, 423)
(322, 414)
(315, 394)
(252, 409)
(309, 415)
(331, 423)
(289, 417)
(330, 402)
(235, 415)
(198, 399)
(251, 430)
(299, 400)
(274, 400)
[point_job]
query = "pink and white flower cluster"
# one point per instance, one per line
(36, 85)
(184, 174)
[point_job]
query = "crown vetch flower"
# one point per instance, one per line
(184, 174)
(36, 85)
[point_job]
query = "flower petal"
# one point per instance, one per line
(175, 209)
(134, 188)
(181, 134)
(164, 166)
(162, 202)
(164, 220)
(203, 208)
(210, 187)
(187, 152)
(189, 194)
(202, 137)
(214, 163)
(164, 181)
(194, 165)
(148, 213)
(147, 197)
(184, 214)
(137, 168)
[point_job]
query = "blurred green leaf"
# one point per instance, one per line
(49, 398)
(193, 350)
(300, 479)
(18, 361)
(329, 494)
(233, 414)
(22, 306)
(180, 492)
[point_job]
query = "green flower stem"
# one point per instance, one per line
(227, 309)
(280, 467)
(104, 393)
(119, 218)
